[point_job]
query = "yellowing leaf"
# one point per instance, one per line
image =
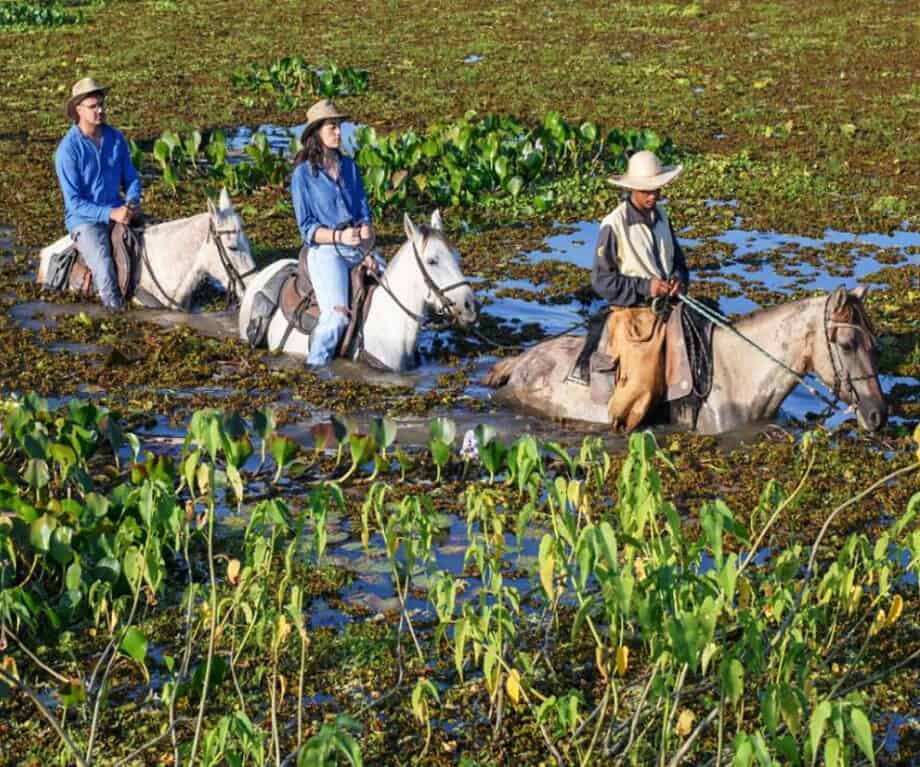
(894, 612)
(855, 597)
(622, 659)
(684, 723)
(878, 623)
(744, 592)
(546, 575)
(233, 571)
(600, 658)
(513, 686)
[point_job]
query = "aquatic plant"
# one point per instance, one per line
(292, 82)
(636, 630)
(40, 13)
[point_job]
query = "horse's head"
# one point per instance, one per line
(448, 293)
(231, 262)
(850, 364)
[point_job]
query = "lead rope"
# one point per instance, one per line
(717, 318)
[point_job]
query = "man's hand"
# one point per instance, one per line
(671, 288)
(122, 215)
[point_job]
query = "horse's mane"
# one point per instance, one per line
(853, 312)
(166, 226)
(758, 315)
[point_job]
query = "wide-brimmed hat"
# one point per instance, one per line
(81, 89)
(646, 173)
(321, 110)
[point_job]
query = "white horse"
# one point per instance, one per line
(179, 255)
(423, 276)
(829, 336)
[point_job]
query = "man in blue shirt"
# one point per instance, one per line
(100, 185)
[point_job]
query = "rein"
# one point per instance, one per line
(717, 318)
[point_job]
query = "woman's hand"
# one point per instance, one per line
(350, 237)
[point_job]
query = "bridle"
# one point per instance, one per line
(446, 307)
(236, 284)
(830, 325)
(830, 334)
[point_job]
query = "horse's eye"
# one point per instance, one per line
(432, 262)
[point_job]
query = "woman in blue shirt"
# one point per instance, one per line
(335, 221)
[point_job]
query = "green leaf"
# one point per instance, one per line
(40, 532)
(36, 473)
(384, 431)
(816, 726)
(443, 429)
(135, 645)
(732, 679)
(440, 452)
(862, 733)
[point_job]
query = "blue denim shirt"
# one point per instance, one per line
(320, 201)
(92, 177)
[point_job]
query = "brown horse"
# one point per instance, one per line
(829, 336)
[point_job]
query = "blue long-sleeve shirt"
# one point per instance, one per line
(92, 177)
(320, 201)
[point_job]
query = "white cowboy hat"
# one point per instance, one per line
(646, 173)
(322, 110)
(81, 89)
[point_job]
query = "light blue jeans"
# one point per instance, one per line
(94, 243)
(329, 267)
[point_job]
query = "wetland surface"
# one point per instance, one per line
(388, 569)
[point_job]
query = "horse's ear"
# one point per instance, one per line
(437, 222)
(412, 232)
(859, 292)
(212, 208)
(224, 202)
(838, 298)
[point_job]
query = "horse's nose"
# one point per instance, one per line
(471, 306)
(875, 417)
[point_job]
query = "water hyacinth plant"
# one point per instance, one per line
(293, 82)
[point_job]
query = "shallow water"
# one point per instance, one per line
(280, 138)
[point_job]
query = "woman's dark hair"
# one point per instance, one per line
(312, 149)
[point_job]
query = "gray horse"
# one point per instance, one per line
(829, 336)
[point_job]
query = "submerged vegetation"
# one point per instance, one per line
(590, 619)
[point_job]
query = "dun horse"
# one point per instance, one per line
(828, 336)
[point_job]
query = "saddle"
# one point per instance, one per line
(291, 291)
(68, 271)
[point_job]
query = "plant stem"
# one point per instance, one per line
(52, 720)
(212, 638)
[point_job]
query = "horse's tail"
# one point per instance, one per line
(500, 372)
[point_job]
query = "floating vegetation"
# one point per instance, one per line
(587, 603)
(292, 82)
(38, 13)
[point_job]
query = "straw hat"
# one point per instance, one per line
(81, 89)
(322, 110)
(646, 173)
